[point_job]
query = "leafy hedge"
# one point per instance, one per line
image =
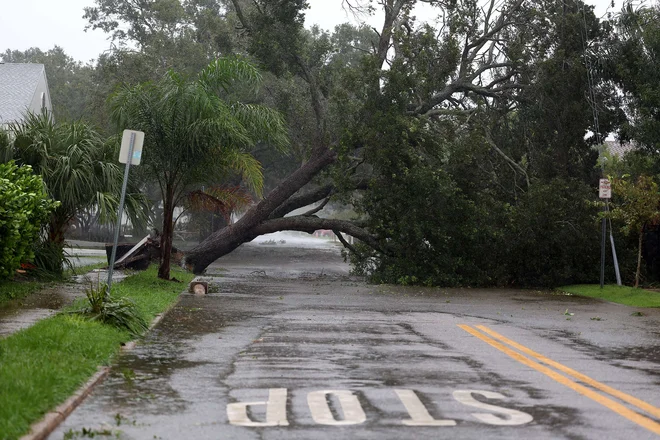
(24, 206)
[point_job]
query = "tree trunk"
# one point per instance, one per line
(229, 238)
(639, 257)
(57, 228)
(166, 237)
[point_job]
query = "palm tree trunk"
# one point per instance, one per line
(166, 237)
(639, 257)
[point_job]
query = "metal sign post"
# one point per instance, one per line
(130, 154)
(604, 192)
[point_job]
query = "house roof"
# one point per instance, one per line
(18, 84)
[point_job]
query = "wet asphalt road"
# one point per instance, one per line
(288, 346)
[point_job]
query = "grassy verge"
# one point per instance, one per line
(43, 365)
(619, 294)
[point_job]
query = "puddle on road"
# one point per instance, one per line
(145, 381)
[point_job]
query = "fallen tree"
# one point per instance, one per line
(463, 64)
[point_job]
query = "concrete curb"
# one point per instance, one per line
(43, 428)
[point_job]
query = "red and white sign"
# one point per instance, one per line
(605, 189)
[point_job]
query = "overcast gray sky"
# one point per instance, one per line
(46, 23)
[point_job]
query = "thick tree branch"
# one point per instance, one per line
(318, 208)
(309, 197)
(321, 157)
(302, 200)
(229, 238)
(316, 97)
(477, 73)
(392, 8)
(311, 224)
(239, 14)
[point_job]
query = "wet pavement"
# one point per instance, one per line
(21, 313)
(287, 345)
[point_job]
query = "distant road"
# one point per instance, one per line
(80, 255)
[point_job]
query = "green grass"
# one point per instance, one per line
(142, 286)
(619, 294)
(43, 365)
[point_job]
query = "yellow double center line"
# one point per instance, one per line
(615, 406)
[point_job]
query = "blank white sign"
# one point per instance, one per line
(137, 146)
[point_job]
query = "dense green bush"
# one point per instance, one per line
(24, 206)
(550, 237)
(554, 237)
(440, 236)
(442, 221)
(433, 230)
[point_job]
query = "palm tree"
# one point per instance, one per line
(197, 132)
(78, 166)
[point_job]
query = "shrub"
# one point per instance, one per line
(24, 206)
(119, 312)
(555, 237)
(50, 260)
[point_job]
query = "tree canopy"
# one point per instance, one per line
(465, 145)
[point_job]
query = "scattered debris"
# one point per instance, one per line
(138, 256)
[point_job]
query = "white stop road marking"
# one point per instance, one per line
(353, 414)
(350, 406)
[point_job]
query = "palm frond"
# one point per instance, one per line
(250, 169)
(77, 164)
(263, 123)
(222, 72)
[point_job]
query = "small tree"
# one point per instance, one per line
(24, 206)
(638, 207)
(196, 132)
(79, 169)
